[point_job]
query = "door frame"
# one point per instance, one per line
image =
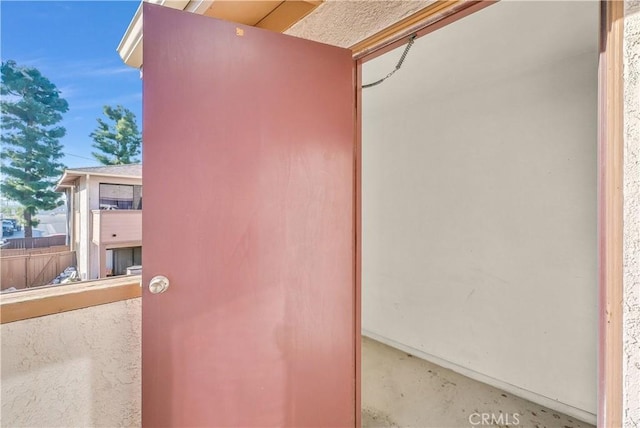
(610, 181)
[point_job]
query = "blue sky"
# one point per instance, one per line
(73, 44)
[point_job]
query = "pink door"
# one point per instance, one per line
(249, 143)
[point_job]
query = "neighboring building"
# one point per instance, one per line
(104, 218)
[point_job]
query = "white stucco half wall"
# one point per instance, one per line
(631, 310)
(78, 368)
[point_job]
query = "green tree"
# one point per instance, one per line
(119, 141)
(31, 108)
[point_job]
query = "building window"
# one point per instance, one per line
(119, 259)
(120, 197)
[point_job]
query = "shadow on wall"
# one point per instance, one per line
(78, 368)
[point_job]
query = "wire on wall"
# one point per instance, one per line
(398, 65)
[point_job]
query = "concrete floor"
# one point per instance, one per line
(399, 390)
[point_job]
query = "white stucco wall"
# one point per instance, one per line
(479, 200)
(79, 368)
(631, 364)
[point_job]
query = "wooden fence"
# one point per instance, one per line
(31, 251)
(34, 267)
(40, 242)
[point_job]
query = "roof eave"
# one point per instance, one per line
(130, 47)
(101, 174)
(70, 175)
(66, 180)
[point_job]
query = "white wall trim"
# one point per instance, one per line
(507, 387)
(130, 47)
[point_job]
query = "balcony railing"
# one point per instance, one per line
(116, 226)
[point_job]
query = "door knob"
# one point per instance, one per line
(158, 284)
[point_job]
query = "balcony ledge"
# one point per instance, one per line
(42, 301)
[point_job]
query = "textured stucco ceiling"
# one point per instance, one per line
(344, 23)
